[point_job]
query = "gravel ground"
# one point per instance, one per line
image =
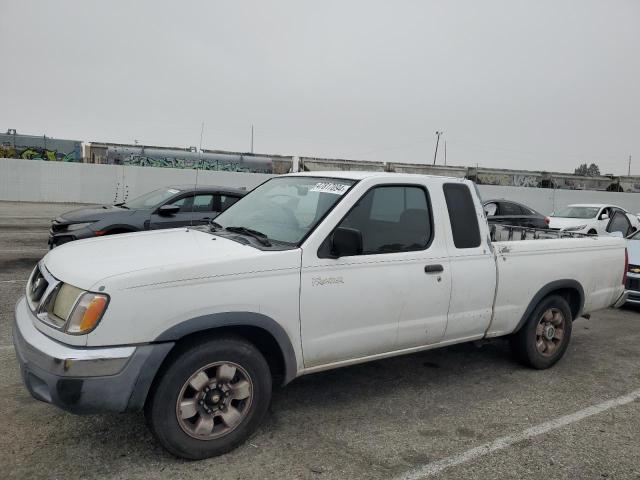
(379, 420)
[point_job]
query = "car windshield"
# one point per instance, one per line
(285, 209)
(151, 199)
(578, 212)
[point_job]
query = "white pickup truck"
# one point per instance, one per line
(308, 272)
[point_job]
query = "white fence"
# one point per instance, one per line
(39, 181)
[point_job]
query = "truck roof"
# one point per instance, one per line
(361, 175)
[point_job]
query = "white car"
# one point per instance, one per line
(308, 272)
(594, 219)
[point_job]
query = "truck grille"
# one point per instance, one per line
(633, 284)
(36, 287)
(41, 291)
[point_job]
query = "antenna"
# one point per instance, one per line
(435, 154)
(195, 185)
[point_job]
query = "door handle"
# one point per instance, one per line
(433, 269)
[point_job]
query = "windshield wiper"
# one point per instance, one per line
(121, 204)
(213, 225)
(261, 237)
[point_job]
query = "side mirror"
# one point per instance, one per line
(346, 242)
(167, 210)
(604, 216)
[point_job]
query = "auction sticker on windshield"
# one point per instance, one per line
(330, 187)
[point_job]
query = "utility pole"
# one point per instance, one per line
(629, 169)
(251, 138)
(435, 155)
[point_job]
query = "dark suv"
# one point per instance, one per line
(166, 207)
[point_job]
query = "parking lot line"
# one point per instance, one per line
(434, 468)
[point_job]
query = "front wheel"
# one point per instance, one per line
(210, 398)
(543, 340)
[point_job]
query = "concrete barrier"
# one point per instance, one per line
(548, 200)
(39, 181)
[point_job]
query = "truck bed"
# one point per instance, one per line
(508, 233)
(527, 265)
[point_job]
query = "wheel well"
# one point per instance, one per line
(572, 296)
(259, 337)
(592, 231)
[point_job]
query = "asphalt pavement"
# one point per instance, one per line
(462, 412)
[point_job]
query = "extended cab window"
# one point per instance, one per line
(462, 215)
(391, 219)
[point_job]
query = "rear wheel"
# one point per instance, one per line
(210, 398)
(544, 338)
(592, 232)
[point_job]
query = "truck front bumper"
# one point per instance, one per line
(83, 380)
(622, 299)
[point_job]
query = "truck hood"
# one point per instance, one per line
(561, 222)
(92, 214)
(160, 256)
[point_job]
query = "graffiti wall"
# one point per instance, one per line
(32, 147)
(177, 158)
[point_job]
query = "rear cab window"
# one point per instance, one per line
(462, 215)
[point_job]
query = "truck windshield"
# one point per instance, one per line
(578, 212)
(285, 209)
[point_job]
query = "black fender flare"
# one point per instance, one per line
(238, 319)
(548, 289)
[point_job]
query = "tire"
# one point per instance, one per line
(592, 232)
(232, 422)
(532, 345)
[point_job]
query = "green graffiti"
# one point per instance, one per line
(7, 152)
(204, 164)
(34, 153)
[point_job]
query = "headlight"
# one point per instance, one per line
(573, 229)
(77, 226)
(87, 313)
(77, 311)
(65, 300)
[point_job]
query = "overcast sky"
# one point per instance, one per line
(538, 84)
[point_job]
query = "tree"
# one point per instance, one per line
(588, 171)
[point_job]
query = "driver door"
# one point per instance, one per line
(393, 295)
